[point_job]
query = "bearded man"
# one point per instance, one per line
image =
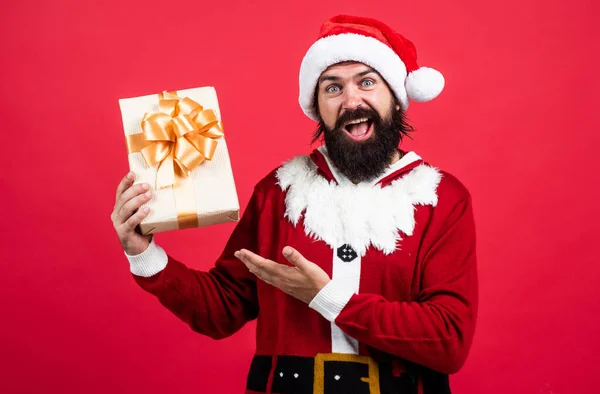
(359, 260)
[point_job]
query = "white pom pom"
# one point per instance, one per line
(424, 84)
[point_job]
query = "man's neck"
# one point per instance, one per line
(397, 156)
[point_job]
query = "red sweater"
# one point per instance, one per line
(400, 252)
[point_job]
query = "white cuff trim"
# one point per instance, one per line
(332, 298)
(148, 263)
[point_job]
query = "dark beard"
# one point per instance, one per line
(365, 160)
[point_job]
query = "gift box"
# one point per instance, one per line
(176, 144)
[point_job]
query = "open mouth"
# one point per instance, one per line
(359, 129)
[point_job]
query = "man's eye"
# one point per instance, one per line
(368, 82)
(332, 89)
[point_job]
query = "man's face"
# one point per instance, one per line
(361, 122)
(348, 86)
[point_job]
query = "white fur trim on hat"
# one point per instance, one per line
(350, 47)
(424, 84)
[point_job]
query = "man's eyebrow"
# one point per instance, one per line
(335, 78)
(369, 71)
(328, 78)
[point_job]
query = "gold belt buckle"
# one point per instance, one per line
(319, 376)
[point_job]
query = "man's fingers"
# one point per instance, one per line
(124, 184)
(265, 269)
(255, 268)
(294, 257)
(251, 260)
(127, 196)
(135, 219)
(132, 205)
(250, 257)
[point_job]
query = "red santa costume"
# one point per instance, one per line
(399, 313)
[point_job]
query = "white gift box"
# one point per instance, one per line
(213, 184)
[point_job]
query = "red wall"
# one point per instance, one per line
(515, 124)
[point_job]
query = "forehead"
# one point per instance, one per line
(343, 69)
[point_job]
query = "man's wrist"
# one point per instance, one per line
(149, 262)
(138, 249)
(332, 298)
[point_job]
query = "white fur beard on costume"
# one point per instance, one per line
(360, 215)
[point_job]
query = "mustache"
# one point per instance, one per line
(368, 159)
(357, 113)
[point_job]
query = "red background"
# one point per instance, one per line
(516, 124)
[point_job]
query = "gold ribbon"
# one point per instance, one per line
(178, 138)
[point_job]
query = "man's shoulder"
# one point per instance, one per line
(268, 183)
(278, 178)
(451, 188)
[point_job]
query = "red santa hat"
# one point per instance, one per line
(369, 41)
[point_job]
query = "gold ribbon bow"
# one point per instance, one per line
(178, 138)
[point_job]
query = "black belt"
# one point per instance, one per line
(336, 373)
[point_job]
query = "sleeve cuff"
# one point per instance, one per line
(148, 263)
(332, 298)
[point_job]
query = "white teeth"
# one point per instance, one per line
(357, 121)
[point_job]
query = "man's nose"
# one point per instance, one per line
(352, 99)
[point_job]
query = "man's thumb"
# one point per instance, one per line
(294, 257)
